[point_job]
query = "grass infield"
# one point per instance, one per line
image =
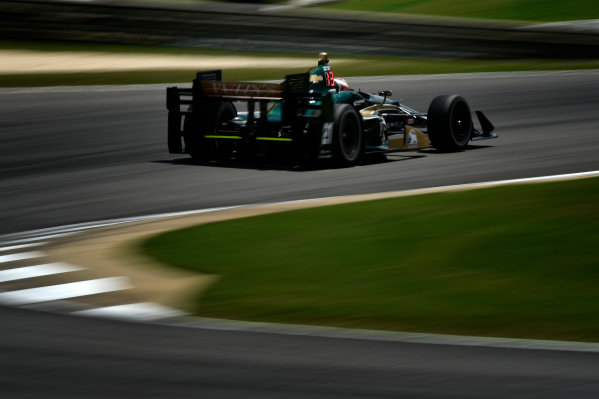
(514, 261)
(521, 10)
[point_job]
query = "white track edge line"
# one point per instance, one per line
(74, 228)
(381, 335)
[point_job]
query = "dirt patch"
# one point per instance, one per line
(30, 61)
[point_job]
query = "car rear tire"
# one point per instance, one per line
(197, 125)
(449, 123)
(347, 135)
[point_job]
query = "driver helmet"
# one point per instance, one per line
(323, 58)
(342, 84)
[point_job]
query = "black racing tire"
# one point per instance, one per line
(347, 135)
(449, 123)
(196, 145)
(196, 125)
(224, 147)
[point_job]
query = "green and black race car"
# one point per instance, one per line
(313, 115)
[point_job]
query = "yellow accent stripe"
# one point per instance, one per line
(208, 136)
(273, 139)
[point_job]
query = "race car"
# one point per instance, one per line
(313, 115)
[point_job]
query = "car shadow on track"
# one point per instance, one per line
(290, 165)
(470, 147)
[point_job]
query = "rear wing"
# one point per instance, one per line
(293, 93)
(210, 84)
(239, 90)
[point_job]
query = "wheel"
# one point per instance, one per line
(195, 144)
(347, 135)
(197, 125)
(449, 123)
(224, 147)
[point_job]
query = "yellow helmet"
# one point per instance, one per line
(323, 58)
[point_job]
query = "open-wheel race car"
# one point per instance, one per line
(312, 115)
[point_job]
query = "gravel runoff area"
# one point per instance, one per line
(31, 61)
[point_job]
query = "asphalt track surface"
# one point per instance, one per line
(72, 155)
(78, 155)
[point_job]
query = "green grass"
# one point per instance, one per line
(521, 10)
(514, 261)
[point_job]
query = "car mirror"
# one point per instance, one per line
(385, 94)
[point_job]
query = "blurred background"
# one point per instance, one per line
(498, 28)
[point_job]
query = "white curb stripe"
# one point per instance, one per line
(145, 311)
(64, 291)
(46, 269)
(20, 256)
(12, 248)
